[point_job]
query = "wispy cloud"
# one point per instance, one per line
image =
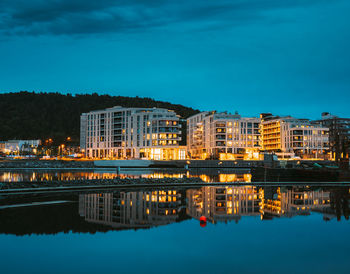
(72, 17)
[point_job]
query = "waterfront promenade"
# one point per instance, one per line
(90, 164)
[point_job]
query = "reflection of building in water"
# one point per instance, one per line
(223, 175)
(223, 203)
(25, 176)
(131, 209)
(235, 178)
(279, 201)
(231, 203)
(225, 178)
(207, 175)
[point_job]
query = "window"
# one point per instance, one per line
(220, 125)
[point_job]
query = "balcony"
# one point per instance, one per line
(169, 130)
(220, 137)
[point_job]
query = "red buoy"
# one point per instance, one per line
(203, 221)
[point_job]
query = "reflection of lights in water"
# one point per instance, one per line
(96, 208)
(53, 176)
(223, 203)
(158, 175)
(225, 178)
(205, 178)
(235, 178)
(17, 176)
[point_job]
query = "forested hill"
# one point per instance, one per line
(29, 115)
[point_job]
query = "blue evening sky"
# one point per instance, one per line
(280, 56)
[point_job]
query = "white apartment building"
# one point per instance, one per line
(16, 146)
(124, 133)
(289, 137)
(223, 136)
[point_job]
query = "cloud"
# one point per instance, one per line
(74, 17)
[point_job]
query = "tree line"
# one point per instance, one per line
(30, 115)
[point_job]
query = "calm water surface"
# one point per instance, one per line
(207, 175)
(249, 229)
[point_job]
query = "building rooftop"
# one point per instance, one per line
(221, 115)
(116, 108)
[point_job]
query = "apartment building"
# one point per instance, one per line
(339, 135)
(212, 135)
(2, 147)
(291, 137)
(17, 146)
(124, 133)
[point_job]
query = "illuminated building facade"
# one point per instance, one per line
(17, 146)
(131, 209)
(289, 137)
(2, 147)
(124, 133)
(212, 135)
(219, 204)
(339, 135)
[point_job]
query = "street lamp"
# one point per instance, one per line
(62, 147)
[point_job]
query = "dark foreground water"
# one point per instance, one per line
(249, 229)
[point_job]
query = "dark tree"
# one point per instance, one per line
(30, 115)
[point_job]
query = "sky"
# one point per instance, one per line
(287, 57)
